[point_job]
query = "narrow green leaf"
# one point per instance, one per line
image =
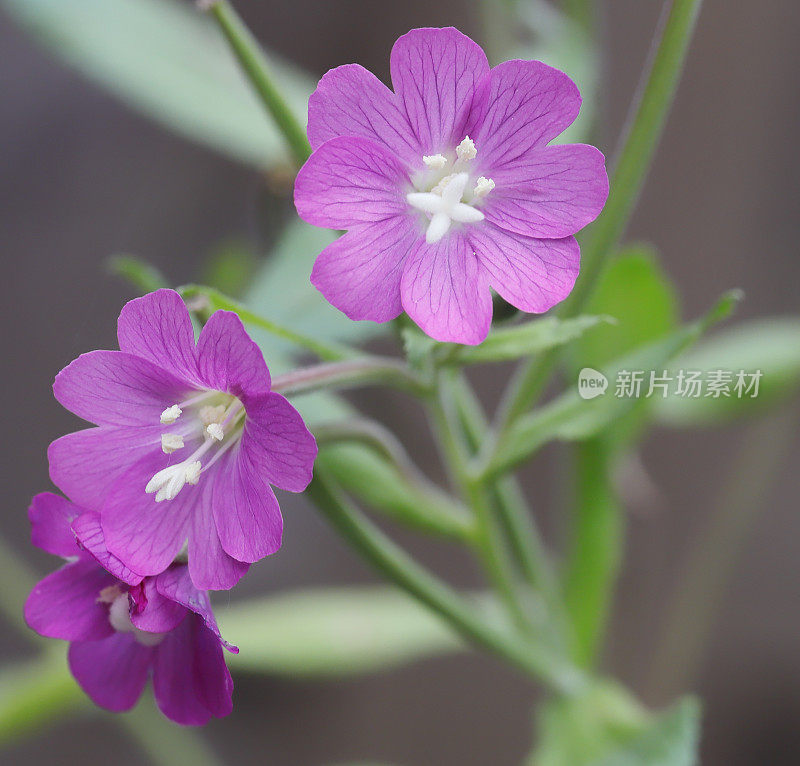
(527, 339)
(771, 345)
(332, 632)
(142, 275)
(168, 60)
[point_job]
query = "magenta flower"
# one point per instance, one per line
(189, 439)
(447, 186)
(124, 628)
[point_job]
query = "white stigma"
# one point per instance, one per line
(445, 207)
(483, 187)
(435, 161)
(170, 415)
(466, 150)
(171, 442)
(214, 430)
(170, 480)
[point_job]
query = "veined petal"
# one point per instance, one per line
(446, 292)
(351, 101)
(157, 327)
(51, 516)
(112, 672)
(154, 612)
(89, 533)
(277, 443)
(65, 604)
(350, 180)
(86, 464)
(228, 359)
(117, 388)
(246, 512)
(531, 274)
(549, 192)
(529, 104)
(438, 76)
(191, 682)
(360, 272)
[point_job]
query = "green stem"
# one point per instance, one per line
(370, 370)
(393, 563)
(255, 65)
(212, 300)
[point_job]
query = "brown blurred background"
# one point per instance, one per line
(82, 177)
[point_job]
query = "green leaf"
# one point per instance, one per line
(332, 632)
(771, 345)
(526, 339)
(139, 273)
(634, 290)
(168, 60)
(570, 417)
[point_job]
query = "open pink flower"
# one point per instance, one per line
(124, 628)
(447, 186)
(189, 439)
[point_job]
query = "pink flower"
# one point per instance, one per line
(189, 439)
(447, 186)
(124, 628)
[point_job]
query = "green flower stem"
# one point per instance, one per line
(394, 564)
(255, 65)
(369, 370)
(638, 143)
(210, 300)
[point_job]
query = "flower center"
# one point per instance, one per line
(446, 193)
(214, 418)
(119, 615)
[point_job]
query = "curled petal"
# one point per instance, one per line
(89, 533)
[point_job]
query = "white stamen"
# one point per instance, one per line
(435, 161)
(170, 415)
(483, 187)
(466, 150)
(171, 442)
(210, 414)
(445, 208)
(214, 430)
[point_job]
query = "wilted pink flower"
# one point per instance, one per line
(124, 628)
(189, 438)
(447, 186)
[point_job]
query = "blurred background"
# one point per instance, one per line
(84, 177)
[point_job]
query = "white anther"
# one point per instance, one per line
(466, 150)
(209, 414)
(435, 161)
(483, 187)
(170, 415)
(445, 208)
(214, 430)
(171, 442)
(193, 472)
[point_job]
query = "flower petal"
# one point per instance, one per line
(246, 512)
(438, 76)
(360, 272)
(50, 516)
(445, 291)
(65, 604)
(157, 327)
(154, 612)
(115, 388)
(277, 443)
(228, 359)
(112, 672)
(142, 533)
(532, 274)
(90, 537)
(529, 104)
(351, 101)
(350, 180)
(549, 192)
(177, 585)
(190, 679)
(86, 464)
